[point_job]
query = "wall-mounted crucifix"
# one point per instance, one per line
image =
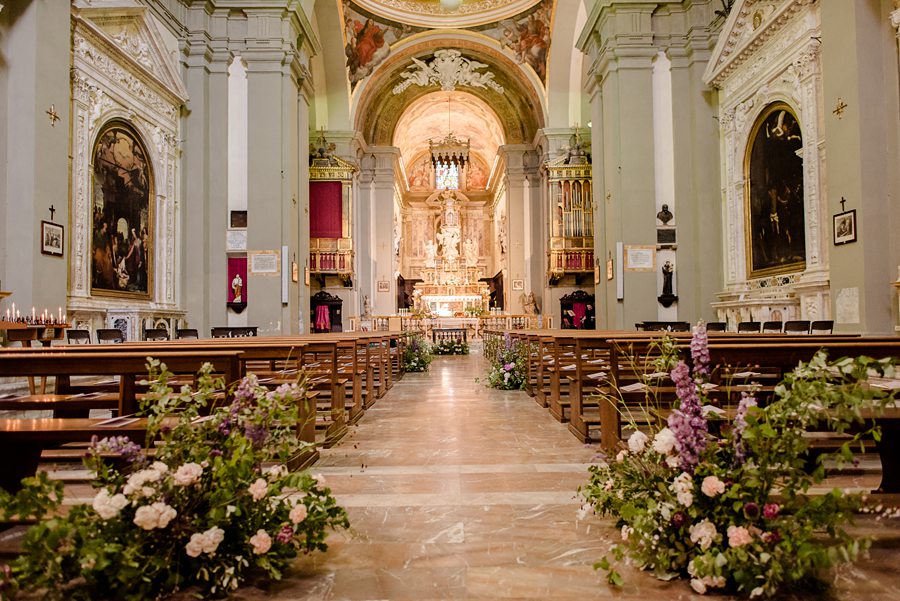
(54, 117)
(839, 109)
(843, 201)
(52, 211)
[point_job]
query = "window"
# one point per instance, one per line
(447, 177)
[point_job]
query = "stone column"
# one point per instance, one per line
(382, 167)
(273, 221)
(862, 158)
(35, 39)
(204, 176)
(523, 203)
(605, 291)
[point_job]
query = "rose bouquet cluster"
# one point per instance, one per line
(727, 503)
(451, 346)
(417, 355)
(508, 363)
(200, 513)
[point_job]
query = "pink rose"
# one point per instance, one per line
(258, 489)
(261, 542)
(771, 511)
(739, 536)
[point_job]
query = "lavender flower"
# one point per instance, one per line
(687, 422)
(256, 434)
(119, 445)
(700, 350)
(246, 390)
(740, 424)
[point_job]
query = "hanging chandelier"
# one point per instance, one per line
(451, 150)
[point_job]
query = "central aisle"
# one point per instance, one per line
(456, 491)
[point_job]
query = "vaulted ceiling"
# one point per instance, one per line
(445, 13)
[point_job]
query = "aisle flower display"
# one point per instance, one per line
(200, 514)
(727, 504)
(417, 354)
(508, 363)
(451, 346)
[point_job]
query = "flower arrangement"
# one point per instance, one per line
(733, 511)
(508, 363)
(201, 514)
(417, 355)
(451, 346)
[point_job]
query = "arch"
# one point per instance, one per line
(521, 109)
(122, 212)
(774, 193)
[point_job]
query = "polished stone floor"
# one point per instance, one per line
(456, 491)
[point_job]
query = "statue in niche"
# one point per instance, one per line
(501, 236)
(396, 237)
(667, 271)
(367, 309)
(430, 254)
(237, 288)
(471, 251)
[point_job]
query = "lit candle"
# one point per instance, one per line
(32, 313)
(60, 315)
(64, 319)
(14, 310)
(7, 314)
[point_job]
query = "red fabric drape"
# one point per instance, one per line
(325, 209)
(580, 310)
(323, 318)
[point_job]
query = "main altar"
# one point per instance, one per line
(450, 283)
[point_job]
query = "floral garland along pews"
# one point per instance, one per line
(733, 511)
(202, 516)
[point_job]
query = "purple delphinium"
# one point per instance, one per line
(700, 351)
(740, 424)
(687, 422)
(120, 445)
(246, 390)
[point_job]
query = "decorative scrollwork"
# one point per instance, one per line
(449, 69)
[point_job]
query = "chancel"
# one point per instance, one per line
(297, 270)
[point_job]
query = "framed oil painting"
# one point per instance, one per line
(52, 236)
(776, 235)
(122, 214)
(845, 227)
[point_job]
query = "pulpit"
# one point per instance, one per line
(326, 312)
(577, 311)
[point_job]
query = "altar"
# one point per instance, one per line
(451, 300)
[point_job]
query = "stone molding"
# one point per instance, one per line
(131, 79)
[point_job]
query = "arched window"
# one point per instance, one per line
(121, 213)
(773, 170)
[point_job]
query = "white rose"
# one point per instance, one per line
(156, 515)
(703, 533)
(683, 486)
(621, 455)
(698, 585)
(187, 474)
(298, 513)
(664, 441)
(108, 506)
(712, 486)
(261, 542)
(205, 542)
(159, 467)
(258, 489)
(637, 442)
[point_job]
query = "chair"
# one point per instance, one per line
(186, 334)
(772, 327)
(796, 327)
(156, 334)
(243, 332)
(220, 332)
(679, 326)
(821, 327)
(748, 326)
(110, 336)
(78, 337)
(715, 326)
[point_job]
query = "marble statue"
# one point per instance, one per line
(430, 254)
(529, 304)
(471, 252)
(367, 309)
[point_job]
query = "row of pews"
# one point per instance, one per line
(346, 373)
(589, 380)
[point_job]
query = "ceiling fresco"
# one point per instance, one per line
(469, 117)
(369, 36)
(437, 14)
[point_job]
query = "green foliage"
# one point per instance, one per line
(417, 354)
(450, 346)
(745, 520)
(508, 362)
(203, 515)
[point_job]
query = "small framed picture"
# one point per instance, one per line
(518, 284)
(384, 286)
(845, 227)
(52, 238)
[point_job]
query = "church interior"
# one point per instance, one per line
(331, 185)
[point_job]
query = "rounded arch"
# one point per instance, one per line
(774, 202)
(521, 109)
(122, 211)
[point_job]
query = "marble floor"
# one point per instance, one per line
(456, 491)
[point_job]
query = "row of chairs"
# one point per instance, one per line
(788, 327)
(766, 327)
(113, 335)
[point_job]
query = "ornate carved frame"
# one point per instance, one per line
(778, 60)
(121, 71)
